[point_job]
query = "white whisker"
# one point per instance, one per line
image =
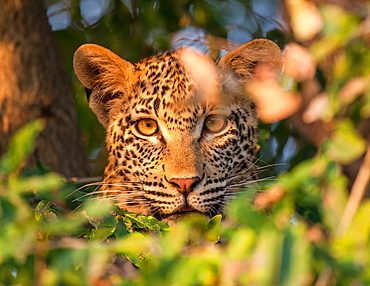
(245, 183)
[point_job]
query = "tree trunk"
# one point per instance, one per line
(34, 84)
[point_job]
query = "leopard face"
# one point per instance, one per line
(181, 130)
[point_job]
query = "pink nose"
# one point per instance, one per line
(185, 185)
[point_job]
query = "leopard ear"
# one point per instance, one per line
(104, 75)
(244, 59)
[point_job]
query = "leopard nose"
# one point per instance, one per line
(185, 185)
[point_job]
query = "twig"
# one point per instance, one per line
(356, 195)
(84, 180)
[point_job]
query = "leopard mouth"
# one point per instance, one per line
(186, 208)
(183, 211)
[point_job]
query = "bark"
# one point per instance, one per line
(34, 84)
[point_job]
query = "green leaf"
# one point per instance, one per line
(138, 223)
(101, 233)
(214, 228)
(147, 223)
(44, 212)
(122, 230)
(21, 146)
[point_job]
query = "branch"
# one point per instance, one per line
(356, 195)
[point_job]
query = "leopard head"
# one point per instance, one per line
(181, 130)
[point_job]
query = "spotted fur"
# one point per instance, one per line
(183, 164)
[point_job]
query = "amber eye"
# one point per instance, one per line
(215, 123)
(147, 126)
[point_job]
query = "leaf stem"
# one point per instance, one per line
(357, 193)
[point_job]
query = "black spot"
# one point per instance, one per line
(156, 106)
(129, 140)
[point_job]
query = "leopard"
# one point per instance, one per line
(181, 127)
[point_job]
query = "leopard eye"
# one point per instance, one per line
(215, 123)
(147, 126)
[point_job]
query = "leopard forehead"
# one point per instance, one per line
(172, 78)
(164, 88)
(178, 87)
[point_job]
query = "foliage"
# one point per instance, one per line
(49, 245)
(304, 229)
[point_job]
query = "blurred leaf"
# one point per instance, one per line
(345, 145)
(42, 184)
(136, 247)
(306, 20)
(334, 200)
(340, 27)
(295, 257)
(20, 146)
(241, 243)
